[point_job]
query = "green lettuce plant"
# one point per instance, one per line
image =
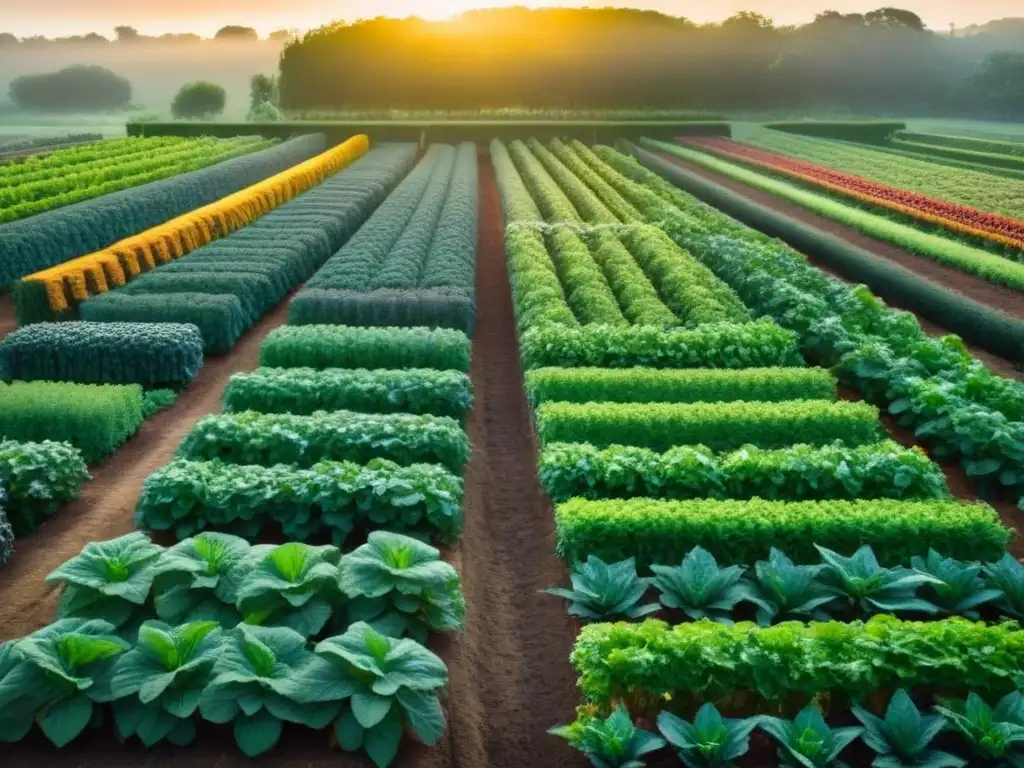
(784, 589)
(872, 588)
(700, 588)
(1007, 575)
(259, 682)
(958, 589)
(994, 733)
(198, 578)
(55, 677)
(606, 591)
(807, 741)
(710, 741)
(157, 685)
(109, 580)
(399, 585)
(903, 736)
(294, 585)
(611, 742)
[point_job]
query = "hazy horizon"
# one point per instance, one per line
(57, 18)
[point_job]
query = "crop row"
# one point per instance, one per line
(87, 155)
(64, 186)
(54, 237)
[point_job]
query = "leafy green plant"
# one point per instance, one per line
(157, 685)
(783, 589)
(872, 588)
(1007, 575)
(700, 588)
(612, 742)
(903, 736)
(197, 579)
(710, 740)
(294, 585)
(606, 591)
(39, 479)
(109, 580)
(400, 586)
(994, 733)
(807, 741)
(259, 681)
(958, 589)
(55, 676)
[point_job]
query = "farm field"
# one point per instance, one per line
(406, 454)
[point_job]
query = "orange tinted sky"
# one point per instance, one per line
(65, 17)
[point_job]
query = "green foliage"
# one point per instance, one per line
(994, 733)
(57, 236)
(656, 531)
(719, 426)
(956, 588)
(198, 100)
(255, 292)
(903, 737)
(710, 740)
(6, 530)
(156, 400)
(330, 497)
(268, 439)
(611, 742)
(699, 587)
(1007, 575)
(103, 353)
(39, 478)
(853, 130)
(327, 346)
(384, 307)
(832, 471)
(750, 345)
(871, 587)
(790, 591)
(653, 385)
(641, 661)
(306, 390)
(95, 419)
(973, 143)
(807, 741)
(606, 591)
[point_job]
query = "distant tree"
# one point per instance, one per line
(126, 34)
(747, 21)
(282, 35)
(73, 89)
(180, 37)
(998, 83)
(263, 98)
(199, 100)
(237, 33)
(94, 37)
(894, 18)
(7, 40)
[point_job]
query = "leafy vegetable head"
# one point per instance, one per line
(873, 588)
(109, 579)
(603, 591)
(957, 588)
(785, 589)
(1007, 575)
(612, 742)
(198, 579)
(903, 735)
(710, 740)
(807, 741)
(993, 733)
(700, 588)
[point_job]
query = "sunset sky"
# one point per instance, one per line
(67, 17)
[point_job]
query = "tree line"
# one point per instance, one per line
(881, 62)
(130, 35)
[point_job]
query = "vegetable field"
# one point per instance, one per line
(513, 454)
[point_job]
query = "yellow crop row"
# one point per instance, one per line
(116, 265)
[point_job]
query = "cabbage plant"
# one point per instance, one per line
(872, 588)
(55, 676)
(611, 742)
(401, 586)
(994, 733)
(108, 580)
(606, 591)
(157, 685)
(1007, 575)
(957, 588)
(710, 741)
(788, 590)
(807, 741)
(700, 588)
(903, 737)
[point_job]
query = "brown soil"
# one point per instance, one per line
(8, 317)
(975, 288)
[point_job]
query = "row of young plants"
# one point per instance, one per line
(414, 262)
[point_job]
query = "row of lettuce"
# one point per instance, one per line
(346, 434)
(680, 452)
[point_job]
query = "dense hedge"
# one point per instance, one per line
(329, 498)
(306, 390)
(56, 236)
(334, 346)
(719, 426)
(794, 473)
(435, 308)
(39, 477)
(95, 419)
(664, 531)
(268, 439)
(851, 130)
(652, 385)
(150, 354)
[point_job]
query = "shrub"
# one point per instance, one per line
(269, 439)
(6, 531)
(95, 419)
(657, 531)
(306, 390)
(199, 100)
(39, 478)
(332, 346)
(719, 426)
(431, 308)
(72, 89)
(652, 385)
(103, 353)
